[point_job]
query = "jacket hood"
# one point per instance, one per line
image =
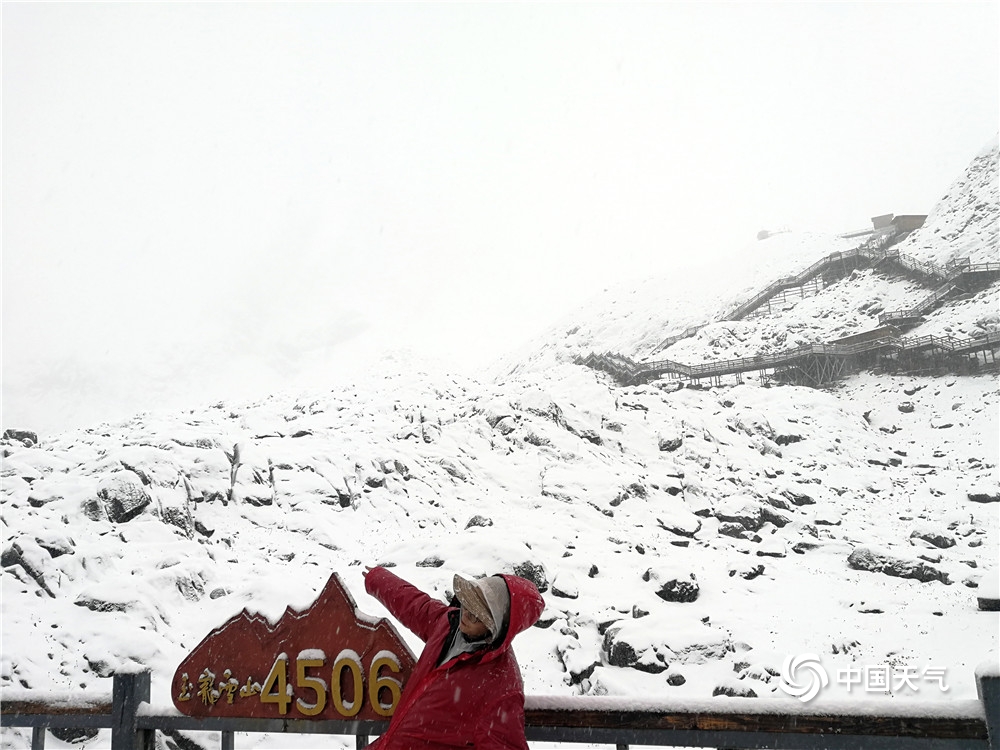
(526, 606)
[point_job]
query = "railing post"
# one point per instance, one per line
(988, 687)
(361, 741)
(228, 740)
(38, 738)
(129, 689)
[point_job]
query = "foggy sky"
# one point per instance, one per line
(207, 199)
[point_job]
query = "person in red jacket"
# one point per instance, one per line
(466, 688)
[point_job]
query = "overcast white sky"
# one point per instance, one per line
(200, 198)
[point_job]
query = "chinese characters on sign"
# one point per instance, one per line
(382, 682)
(243, 668)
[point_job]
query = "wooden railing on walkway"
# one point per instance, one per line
(871, 252)
(954, 276)
(719, 722)
(961, 275)
(629, 372)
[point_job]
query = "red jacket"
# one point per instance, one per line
(475, 699)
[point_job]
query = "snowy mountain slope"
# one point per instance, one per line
(688, 539)
(964, 223)
(769, 495)
(849, 306)
(636, 319)
(962, 318)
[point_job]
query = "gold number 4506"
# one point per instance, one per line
(277, 690)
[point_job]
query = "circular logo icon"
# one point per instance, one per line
(803, 676)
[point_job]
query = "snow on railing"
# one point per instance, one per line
(726, 722)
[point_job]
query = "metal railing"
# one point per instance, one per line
(958, 271)
(875, 252)
(872, 250)
(923, 307)
(685, 334)
(719, 722)
(625, 370)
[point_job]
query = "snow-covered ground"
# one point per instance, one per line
(688, 540)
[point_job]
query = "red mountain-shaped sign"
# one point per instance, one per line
(329, 661)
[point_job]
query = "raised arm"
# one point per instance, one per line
(408, 604)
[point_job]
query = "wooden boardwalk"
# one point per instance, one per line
(813, 364)
(960, 277)
(816, 364)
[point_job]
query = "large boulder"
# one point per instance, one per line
(32, 559)
(797, 497)
(495, 412)
(735, 530)
(26, 437)
(769, 515)
(742, 510)
(672, 585)
(565, 585)
(934, 538)
(55, 544)
(988, 595)
(670, 444)
(93, 509)
(123, 495)
(96, 603)
(679, 521)
(578, 662)
(505, 426)
(983, 495)
(865, 558)
(586, 433)
(732, 690)
(479, 521)
(634, 648)
(651, 645)
(453, 469)
(538, 403)
(45, 490)
(534, 572)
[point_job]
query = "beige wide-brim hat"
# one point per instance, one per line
(488, 599)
